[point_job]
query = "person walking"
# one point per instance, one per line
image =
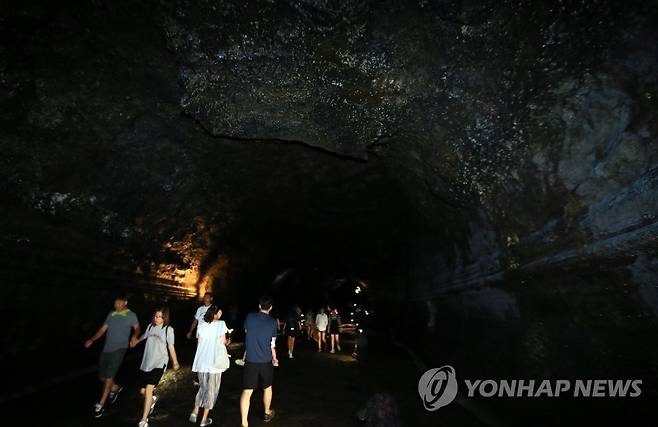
(261, 332)
(310, 324)
(334, 330)
(159, 337)
(211, 333)
(208, 299)
(118, 324)
(292, 327)
(321, 322)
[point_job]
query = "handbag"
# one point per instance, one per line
(222, 362)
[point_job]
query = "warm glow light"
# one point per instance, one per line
(186, 274)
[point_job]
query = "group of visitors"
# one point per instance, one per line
(322, 327)
(211, 359)
(318, 326)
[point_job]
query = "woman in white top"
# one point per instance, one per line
(321, 322)
(210, 333)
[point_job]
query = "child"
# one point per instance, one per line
(159, 346)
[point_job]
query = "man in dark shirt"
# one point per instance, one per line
(261, 332)
(292, 326)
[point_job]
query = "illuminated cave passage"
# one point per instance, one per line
(481, 176)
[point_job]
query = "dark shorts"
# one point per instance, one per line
(109, 363)
(334, 330)
(257, 374)
(152, 377)
(292, 332)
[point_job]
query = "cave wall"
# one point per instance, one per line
(480, 154)
(532, 129)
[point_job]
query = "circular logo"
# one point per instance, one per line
(438, 387)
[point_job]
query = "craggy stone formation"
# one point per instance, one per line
(454, 153)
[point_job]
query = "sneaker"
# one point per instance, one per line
(155, 399)
(98, 410)
(114, 395)
(206, 422)
(332, 351)
(239, 362)
(338, 347)
(270, 416)
(192, 417)
(143, 424)
(289, 355)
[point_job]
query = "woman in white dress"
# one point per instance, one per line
(210, 333)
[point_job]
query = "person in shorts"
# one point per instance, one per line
(292, 328)
(261, 332)
(334, 329)
(159, 337)
(310, 324)
(322, 322)
(118, 324)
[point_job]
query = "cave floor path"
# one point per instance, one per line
(312, 389)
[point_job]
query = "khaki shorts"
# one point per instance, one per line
(109, 363)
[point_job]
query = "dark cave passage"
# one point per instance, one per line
(470, 183)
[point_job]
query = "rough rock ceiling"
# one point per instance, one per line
(491, 135)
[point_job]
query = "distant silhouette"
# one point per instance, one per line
(381, 410)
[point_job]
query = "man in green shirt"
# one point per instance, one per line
(118, 325)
